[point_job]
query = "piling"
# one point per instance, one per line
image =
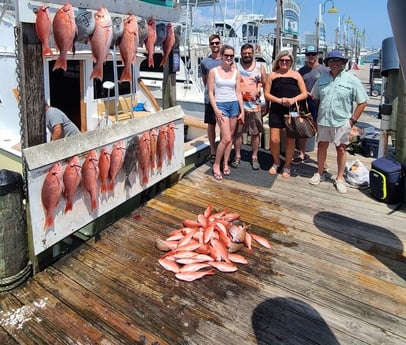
(14, 265)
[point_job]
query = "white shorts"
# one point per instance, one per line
(336, 135)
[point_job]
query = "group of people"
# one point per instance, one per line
(233, 102)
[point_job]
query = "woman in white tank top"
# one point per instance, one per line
(223, 85)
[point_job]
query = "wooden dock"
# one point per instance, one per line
(335, 273)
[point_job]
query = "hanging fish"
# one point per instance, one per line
(161, 146)
(104, 167)
(130, 159)
(150, 41)
(65, 30)
(160, 29)
(43, 26)
(100, 41)
(86, 24)
(168, 43)
(90, 173)
(116, 162)
(118, 30)
(144, 158)
(171, 142)
(142, 31)
(153, 137)
(51, 193)
(71, 180)
(128, 46)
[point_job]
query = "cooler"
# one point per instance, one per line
(386, 180)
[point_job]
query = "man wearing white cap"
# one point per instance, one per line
(335, 91)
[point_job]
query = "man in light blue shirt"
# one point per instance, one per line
(335, 92)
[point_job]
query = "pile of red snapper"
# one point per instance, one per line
(209, 242)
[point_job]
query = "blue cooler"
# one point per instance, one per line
(386, 180)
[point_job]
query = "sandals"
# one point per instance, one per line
(211, 158)
(216, 176)
(286, 173)
(236, 162)
(226, 171)
(274, 169)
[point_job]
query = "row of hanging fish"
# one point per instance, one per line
(144, 155)
(210, 242)
(102, 32)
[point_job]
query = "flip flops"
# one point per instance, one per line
(216, 176)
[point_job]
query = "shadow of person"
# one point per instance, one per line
(289, 321)
(374, 240)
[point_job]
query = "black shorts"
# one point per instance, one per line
(276, 121)
(209, 115)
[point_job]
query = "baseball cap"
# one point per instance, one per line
(311, 50)
(335, 54)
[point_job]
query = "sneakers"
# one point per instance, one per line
(317, 178)
(255, 164)
(340, 186)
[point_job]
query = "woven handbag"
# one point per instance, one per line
(299, 124)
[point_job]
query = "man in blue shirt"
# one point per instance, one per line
(335, 92)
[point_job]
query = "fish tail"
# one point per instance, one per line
(97, 73)
(46, 51)
(127, 182)
(60, 63)
(94, 204)
(126, 75)
(110, 187)
(151, 61)
(104, 187)
(145, 179)
(49, 222)
(68, 206)
(163, 61)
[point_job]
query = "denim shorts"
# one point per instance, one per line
(229, 109)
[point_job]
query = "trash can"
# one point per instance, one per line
(14, 266)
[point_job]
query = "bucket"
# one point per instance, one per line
(14, 266)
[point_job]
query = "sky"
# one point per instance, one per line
(371, 15)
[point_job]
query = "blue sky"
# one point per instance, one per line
(371, 15)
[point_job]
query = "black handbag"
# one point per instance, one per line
(299, 123)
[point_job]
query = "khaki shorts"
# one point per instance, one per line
(336, 135)
(253, 124)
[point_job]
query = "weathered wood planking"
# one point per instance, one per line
(336, 274)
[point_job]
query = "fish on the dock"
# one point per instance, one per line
(128, 46)
(130, 159)
(71, 180)
(90, 173)
(104, 168)
(144, 158)
(118, 30)
(43, 26)
(171, 141)
(100, 41)
(142, 31)
(150, 41)
(116, 162)
(191, 276)
(51, 193)
(86, 24)
(64, 30)
(168, 43)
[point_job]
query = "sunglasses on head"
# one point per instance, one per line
(215, 43)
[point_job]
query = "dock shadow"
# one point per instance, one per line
(387, 247)
(289, 321)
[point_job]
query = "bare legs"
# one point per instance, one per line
(227, 128)
(211, 135)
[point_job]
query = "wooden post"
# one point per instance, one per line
(31, 86)
(168, 87)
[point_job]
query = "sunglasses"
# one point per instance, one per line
(311, 54)
(335, 60)
(228, 55)
(285, 60)
(216, 43)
